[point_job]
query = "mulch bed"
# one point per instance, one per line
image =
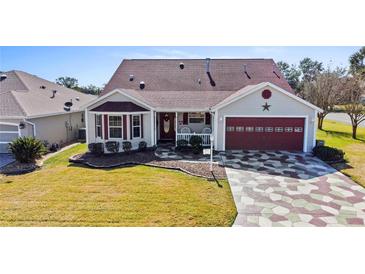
(148, 158)
(17, 168)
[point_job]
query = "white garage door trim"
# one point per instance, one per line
(9, 132)
(268, 116)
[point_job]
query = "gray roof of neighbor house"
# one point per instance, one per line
(189, 75)
(26, 95)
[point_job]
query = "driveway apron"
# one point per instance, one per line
(291, 189)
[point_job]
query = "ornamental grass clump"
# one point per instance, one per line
(27, 149)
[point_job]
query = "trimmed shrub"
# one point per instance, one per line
(127, 146)
(112, 146)
(96, 148)
(142, 146)
(27, 149)
(182, 145)
(328, 154)
(196, 143)
(54, 147)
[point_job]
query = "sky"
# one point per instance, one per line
(96, 65)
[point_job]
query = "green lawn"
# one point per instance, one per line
(61, 194)
(339, 135)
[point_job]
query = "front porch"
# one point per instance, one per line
(174, 126)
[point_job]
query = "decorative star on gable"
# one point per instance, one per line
(266, 106)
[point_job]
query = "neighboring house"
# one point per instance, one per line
(32, 106)
(243, 103)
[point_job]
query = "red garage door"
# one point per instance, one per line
(265, 133)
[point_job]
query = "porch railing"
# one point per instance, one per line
(186, 137)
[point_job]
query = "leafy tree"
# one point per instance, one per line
(73, 83)
(325, 91)
(357, 62)
(67, 82)
(292, 74)
(353, 88)
(90, 89)
(310, 69)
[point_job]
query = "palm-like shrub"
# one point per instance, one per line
(27, 149)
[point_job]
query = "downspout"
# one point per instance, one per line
(33, 125)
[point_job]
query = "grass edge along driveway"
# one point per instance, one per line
(64, 194)
(339, 135)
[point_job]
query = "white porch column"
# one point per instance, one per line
(154, 126)
(215, 129)
(152, 129)
(87, 125)
(175, 128)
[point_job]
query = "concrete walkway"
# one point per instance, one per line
(289, 189)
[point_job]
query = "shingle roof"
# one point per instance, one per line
(9, 106)
(193, 100)
(21, 95)
(166, 74)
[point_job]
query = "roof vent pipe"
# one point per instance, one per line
(207, 69)
(207, 65)
(274, 71)
(245, 71)
(141, 85)
(131, 77)
(53, 93)
(3, 77)
(182, 65)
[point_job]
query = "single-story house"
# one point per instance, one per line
(32, 106)
(241, 103)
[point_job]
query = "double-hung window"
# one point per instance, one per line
(98, 130)
(115, 126)
(196, 117)
(136, 126)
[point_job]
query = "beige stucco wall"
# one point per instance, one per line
(281, 105)
(147, 136)
(53, 128)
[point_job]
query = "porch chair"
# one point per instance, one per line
(207, 130)
(185, 130)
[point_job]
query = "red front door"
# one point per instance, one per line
(167, 126)
(265, 133)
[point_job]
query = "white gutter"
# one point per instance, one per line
(34, 127)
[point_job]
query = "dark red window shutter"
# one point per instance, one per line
(130, 126)
(106, 127)
(141, 125)
(125, 127)
(185, 118)
(207, 118)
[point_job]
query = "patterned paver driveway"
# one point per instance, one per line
(291, 189)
